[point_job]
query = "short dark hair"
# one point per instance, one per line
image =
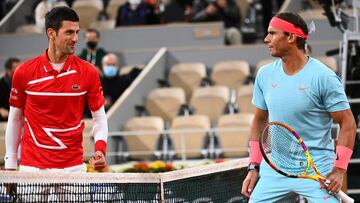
(55, 17)
(9, 62)
(93, 30)
(296, 20)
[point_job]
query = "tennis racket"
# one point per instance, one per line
(285, 151)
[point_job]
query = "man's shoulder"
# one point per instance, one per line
(79, 61)
(270, 67)
(83, 65)
(101, 51)
(320, 68)
(29, 65)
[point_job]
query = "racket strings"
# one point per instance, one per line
(284, 150)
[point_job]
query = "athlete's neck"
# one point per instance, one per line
(294, 63)
(56, 56)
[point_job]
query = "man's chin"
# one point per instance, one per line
(274, 54)
(70, 52)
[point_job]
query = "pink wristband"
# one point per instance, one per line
(255, 154)
(343, 156)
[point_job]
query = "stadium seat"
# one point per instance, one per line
(243, 6)
(330, 62)
(103, 25)
(210, 101)
(88, 11)
(230, 73)
(235, 143)
(87, 143)
(113, 8)
(195, 127)
(27, 29)
(244, 98)
(187, 76)
(313, 14)
(127, 69)
(2, 144)
(165, 102)
(142, 146)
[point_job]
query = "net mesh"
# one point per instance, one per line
(283, 150)
(211, 183)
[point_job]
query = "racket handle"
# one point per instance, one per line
(345, 198)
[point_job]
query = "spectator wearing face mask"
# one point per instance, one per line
(93, 53)
(114, 84)
(136, 12)
(42, 8)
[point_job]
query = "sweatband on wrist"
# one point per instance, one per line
(100, 145)
(10, 160)
(286, 26)
(343, 156)
(255, 154)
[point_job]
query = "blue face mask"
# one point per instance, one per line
(52, 1)
(110, 71)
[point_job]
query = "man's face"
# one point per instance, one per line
(276, 41)
(110, 61)
(91, 37)
(110, 66)
(67, 37)
(92, 40)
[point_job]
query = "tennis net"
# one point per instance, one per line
(220, 182)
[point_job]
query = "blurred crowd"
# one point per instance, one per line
(132, 13)
(150, 12)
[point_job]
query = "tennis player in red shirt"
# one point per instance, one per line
(47, 99)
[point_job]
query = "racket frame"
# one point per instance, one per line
(316, 177)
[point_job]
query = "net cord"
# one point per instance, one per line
(61, 177)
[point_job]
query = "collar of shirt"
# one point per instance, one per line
(48, 68)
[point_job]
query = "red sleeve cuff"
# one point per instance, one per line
(100, 145)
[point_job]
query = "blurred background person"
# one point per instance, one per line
(136, 12)
(5, 86)
(177, 11)
(93, 53)
(42, 8)
(219, 10)
(114, 84)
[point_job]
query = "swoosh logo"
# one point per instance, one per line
(303, 88)
(326, 197)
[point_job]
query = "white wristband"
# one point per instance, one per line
(10, 160)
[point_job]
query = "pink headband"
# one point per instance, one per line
(287, 27)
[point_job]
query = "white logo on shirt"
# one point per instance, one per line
(49, 132)
(14, 90)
